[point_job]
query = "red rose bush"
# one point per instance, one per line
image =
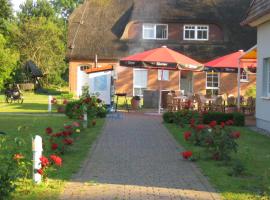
(218, 139)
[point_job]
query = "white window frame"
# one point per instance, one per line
(139, 86)
(196, 31)
(207, 81)
(155, 31)
(166, 75)
(242, 79)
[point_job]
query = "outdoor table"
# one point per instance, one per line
(121, 95)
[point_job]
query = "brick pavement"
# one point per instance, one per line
(136, 158)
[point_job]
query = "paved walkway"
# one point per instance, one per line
(137, 159)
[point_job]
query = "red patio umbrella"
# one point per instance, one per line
(161, 58)
(232, 63)
(229, 63)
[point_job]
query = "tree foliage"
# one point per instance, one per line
(42, 40)
(8, 61)
(38, 33)
(65, 7)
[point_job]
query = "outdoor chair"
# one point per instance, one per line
(249, 106)
(200, 105)
(231, 104)
(171, 102)
(218, 105)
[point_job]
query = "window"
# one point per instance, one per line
(84, 67)
(166, 75)
(196, 32)
(155, 31)
(266, 77)
(139, 81)
(243, 76)
(212, 82)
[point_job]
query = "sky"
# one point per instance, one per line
(16, 4)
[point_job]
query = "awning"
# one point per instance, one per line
(99, 69)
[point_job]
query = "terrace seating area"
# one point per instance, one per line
(203, 103)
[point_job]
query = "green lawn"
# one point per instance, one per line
(33, 103)
(254, 152)
(26, 128)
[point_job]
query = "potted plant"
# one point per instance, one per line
(135, 102)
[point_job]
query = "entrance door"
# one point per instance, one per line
(100, 83)
(186, 82)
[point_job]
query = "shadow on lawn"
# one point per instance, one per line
(4, 107)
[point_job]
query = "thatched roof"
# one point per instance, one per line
(97, 26)
(257, 9)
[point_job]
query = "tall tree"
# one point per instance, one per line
(39, 8)
(8, 61)
(5, 15)
(41, 40)
(65, 7)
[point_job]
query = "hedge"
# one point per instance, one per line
(238, 118)
(184, 117)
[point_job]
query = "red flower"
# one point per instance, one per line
(66, 133)
(187, 135)
(54, 146)
(49, 130)
(222, 124)
(68, 127)
(44, 161)
(229, 122)
(87, 100)
(54, 101)
(56, 159)
(213, 124)
(187, 154)
(200, 127)
(18, 156)
(76, 124)
(65, 101)
(235, 134)
(68, 141)
(57, 134)
(94, 122)
(192, 121)
(40, 171)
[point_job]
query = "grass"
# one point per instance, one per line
(26, 128)
(33, 103)
(254, 153)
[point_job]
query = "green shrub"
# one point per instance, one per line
(168, 117)
(219, 140)
(91, 105)
(181, 117)
(238, 118)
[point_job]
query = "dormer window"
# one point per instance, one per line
(155, 31)
(196, 32)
